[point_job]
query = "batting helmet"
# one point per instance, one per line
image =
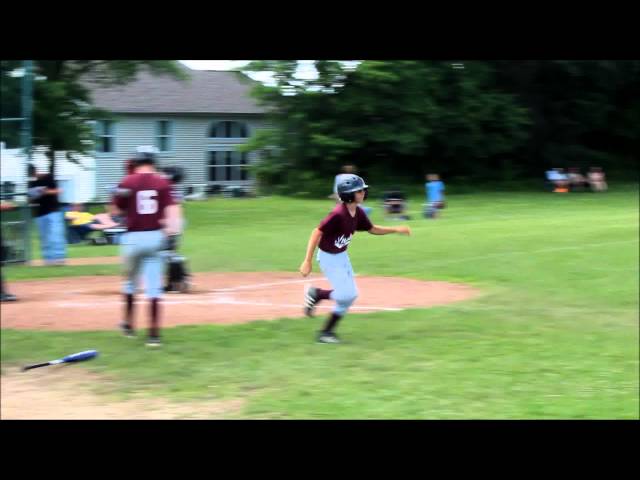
(145, 155)
(348, 184)
(174, 174)
(144, 158)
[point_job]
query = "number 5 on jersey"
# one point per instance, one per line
(146, 204)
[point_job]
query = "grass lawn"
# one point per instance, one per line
(555, 334)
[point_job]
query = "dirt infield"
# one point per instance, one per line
(94, 303)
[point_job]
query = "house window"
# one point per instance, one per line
(228, 166)
(106, 136)
(244, 173)
(164, 135)
(229, 129)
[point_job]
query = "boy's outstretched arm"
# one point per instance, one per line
(378, 230)
(314, 240)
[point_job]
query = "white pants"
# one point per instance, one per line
(338, 270)
(142, 254)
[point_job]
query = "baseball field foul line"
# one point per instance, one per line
(225, 302)
(258, 285)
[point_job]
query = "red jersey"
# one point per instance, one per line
(339, 226)
(144, 206)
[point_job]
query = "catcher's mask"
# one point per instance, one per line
(174, 174)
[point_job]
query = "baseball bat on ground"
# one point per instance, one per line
(76, 357)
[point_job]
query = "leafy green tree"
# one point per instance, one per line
(407, 116)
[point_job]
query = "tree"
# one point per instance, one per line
(584, 112)
(400, 116)
(62, 109)
(10, 91)
(297, 109)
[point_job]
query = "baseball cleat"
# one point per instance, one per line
(153, 342)
(126, 330)
(328, 338)
(310, 300)
(7, 297)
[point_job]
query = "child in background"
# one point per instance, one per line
(435, 195)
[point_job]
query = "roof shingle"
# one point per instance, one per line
(205, 91)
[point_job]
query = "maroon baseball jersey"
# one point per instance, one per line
(339, 226)
(145, 204)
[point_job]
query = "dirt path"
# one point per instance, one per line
(64, 393)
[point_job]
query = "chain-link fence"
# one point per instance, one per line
(16, 106)
(14, 231)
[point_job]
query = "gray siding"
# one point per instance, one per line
(190, 147)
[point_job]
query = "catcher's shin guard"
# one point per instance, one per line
(177, 275)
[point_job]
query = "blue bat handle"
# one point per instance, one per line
(77, 357)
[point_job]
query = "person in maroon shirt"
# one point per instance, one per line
(333, 236)
(151, 216)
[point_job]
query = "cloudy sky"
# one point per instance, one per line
(214, 64)
(305, 68)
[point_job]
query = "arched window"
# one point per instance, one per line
(228, 129)
(227, 166)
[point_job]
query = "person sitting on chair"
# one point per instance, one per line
(559, 180)
(80, 221)
(597, 179)
(83, 223)
(395, 204)
(106, 220)
(577, 181)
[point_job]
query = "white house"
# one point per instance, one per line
(78, 181)
(196, 124)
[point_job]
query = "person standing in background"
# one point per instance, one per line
(435, 195)
(43, 192)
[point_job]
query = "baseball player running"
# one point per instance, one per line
(333, 236)
(152, 216)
